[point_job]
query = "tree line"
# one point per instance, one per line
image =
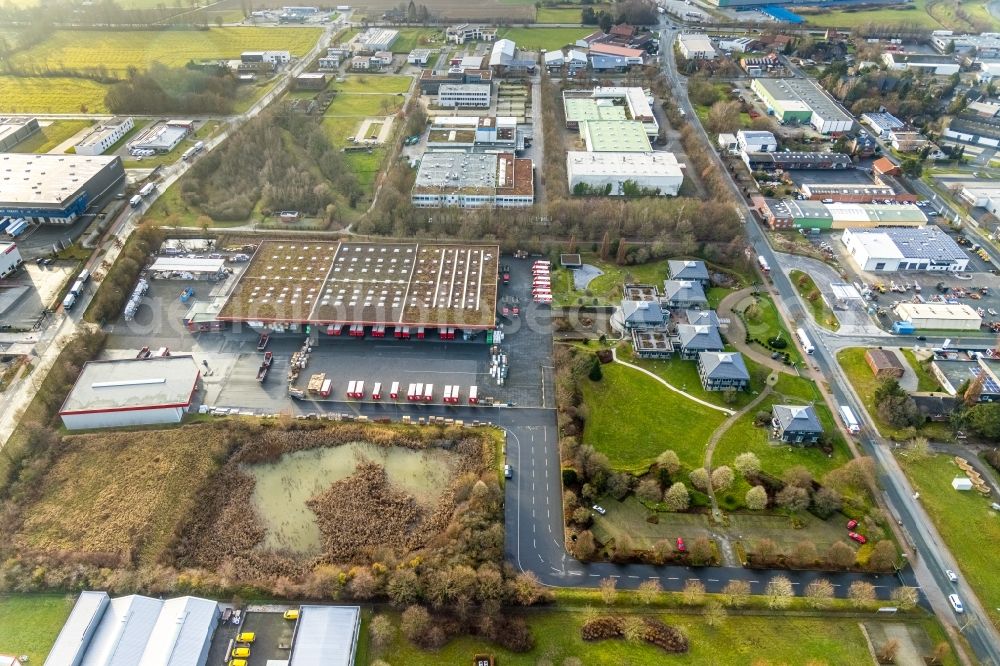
(162, 89)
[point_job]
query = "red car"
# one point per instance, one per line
(680, 545)
(860, 538)
(851, 524)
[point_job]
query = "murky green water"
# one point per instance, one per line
(282, 488)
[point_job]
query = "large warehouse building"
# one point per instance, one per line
(794, 214)
(127, 392)
(54, 188)
(15, 130)
(803, 101)
(473, 180)
(939, 316)
(610, 103)
(135, 631)
(602, 171)
(325, 636)
(291, 283)
(614, 136)
(894, 249)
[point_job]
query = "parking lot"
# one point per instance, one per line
(31, 290)
(273, 638)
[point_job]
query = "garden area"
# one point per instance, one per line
(964, 519)
(765, 327)
(898, 406)
(814, 300)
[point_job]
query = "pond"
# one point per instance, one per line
(283, 487)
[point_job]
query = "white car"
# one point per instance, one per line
(508, 471)
(952, 576)
(599, 509)
(956, 603)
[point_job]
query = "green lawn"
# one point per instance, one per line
(632, 418)
(349, 104)
(411, 38)
(44, 94)
(373, 83)
(810, 293)
(740, 640)
(684, 375)
(119, 50)
(766, 323)
(559, 14)
(544, 38)
(925, 380)
(49, 136)
(852, 361)
(606, 288)
(29, 624)
(968, 525)
(914, 15)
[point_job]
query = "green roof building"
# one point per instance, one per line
(618, 136)
(579, 109)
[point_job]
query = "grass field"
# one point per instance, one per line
(51, 95)
(810, 293)
(411, 38)
(117, 51)
(606, 288)
(914, 14)
(925, 380)
(740, 640)
(852, 360)
(544, 38)
(349, 104)
(115, 492)
(633, 418)
(766, 324)
(559, 14)
(30, 623)
(966, 523)
(374, 83)
(51, 135)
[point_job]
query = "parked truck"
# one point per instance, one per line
(903, 328)
(147, 189)
(135, 201)
(17, 227)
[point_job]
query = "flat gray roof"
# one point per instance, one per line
(26, 178)
(807, 91)
(109, 386)
(928, 242)
(325, 636)
(78, 629)
(455, 171)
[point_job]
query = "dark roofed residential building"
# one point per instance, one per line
(688, 269)
(719, 371)
(796, 424)
(884, 363)
(642, 315)
(789, 161)
(684, 294)
(935, 406)
(702, 318)
(697, 339)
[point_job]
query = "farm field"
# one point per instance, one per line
(965, 522)
(98, 496)
(31, 623)
(117, 51)
(740, 640)
(36, 94)
(51, 135)
(633, 418)
(544, 38)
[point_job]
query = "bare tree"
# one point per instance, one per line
(736, 592)
(887, 653)
(715, 613)
(381, 632)
(883, 556)
(840, 555)
(793, 498)
(648, 490)
(819, 592)
(609, 593)
(585, 545)
(779, 592)
(804, 554)
(905, 597)
(694, 592)
(861, 592)
(649, 590)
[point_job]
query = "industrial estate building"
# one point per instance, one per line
(274, 58)
(934, 64)
(695, 46)
(127, 392)
(618, 136)
(895, 249)
(803, 101)
(612, 171)
(105, 135)
(789, 213)
(974, 128)
(853, 193)
(310, 81)
(882, 123)
(464, 95)
(610, 103)
(750, 141)
(474, 180)
(983, 195)
(162, 137)
(467, 32)
(475, 134)
(375, 39)
(10, 258)
(506, 57)
(136, 631)
(289, 284)
(325, 636)
(15, 130)
(791, 161)
(54, 188)
(940, 316)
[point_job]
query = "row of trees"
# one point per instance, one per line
(117, 285)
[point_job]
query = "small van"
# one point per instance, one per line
(246, 637)
(956, 603)
(292, 614)
(241, 652)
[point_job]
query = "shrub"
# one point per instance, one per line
(569, 476)
(677, 497)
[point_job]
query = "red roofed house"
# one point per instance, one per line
(884, 165)
(623, 32)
